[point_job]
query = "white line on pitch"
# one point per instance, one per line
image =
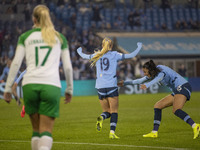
(97, 144)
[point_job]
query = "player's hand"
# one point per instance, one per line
(120, 83)
(68, 98)
(139, 44)
(142, 86)
(79, 50)
(7, 97)
(1, 81)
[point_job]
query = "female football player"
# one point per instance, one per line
(106, 82)
(181, 91)
(42, 47)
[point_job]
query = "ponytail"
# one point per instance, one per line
(41, 13)
(106, 46)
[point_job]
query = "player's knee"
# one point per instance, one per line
(157, 105)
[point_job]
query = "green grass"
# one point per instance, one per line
(75, 128)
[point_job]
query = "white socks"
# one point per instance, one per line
(112, 131)
(193, 125)
(34, 142)
(45, 143)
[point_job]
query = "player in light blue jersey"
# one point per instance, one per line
(14, 92)
(106, 82)
(181, 92)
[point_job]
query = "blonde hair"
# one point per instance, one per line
(41, 14)
(107, 45)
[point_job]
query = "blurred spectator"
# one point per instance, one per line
(9, 10)
(148, 4)
(60, 2)
(165, 4)
(137, 22)
(156, 27)
(131, 19)
(182, 70)
(6, 69)
(73, 21)
(72, 3)
(76, 73)
(183, 25)
(177, 25)
(96, 13)
(27, 12)
(61, 73)
(164, 27)
(118, 23)
(193, 4)
(138, 67)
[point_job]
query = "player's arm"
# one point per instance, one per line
(67, 66)
(85, 56)
(158, 78)
(15, 65)
(134, 53)
(132, 82)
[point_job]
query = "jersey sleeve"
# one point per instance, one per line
(137, 81)
(64, 44)
(158, 78)
(21, 40)
(119, 56)
(16, 63)
(67, 66)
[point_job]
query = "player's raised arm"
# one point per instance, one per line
(135, 52)
(85, 56)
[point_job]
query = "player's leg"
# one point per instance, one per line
(106, 113)
(105, 108)
(45, 129)
(35, 125)
(179, 101)
(114, 105)
(31, 99)
(48, 110)
(163, 103)
(182, 94)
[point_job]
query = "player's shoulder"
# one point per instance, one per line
(61, 35)
(112, 52)
(162, 67)
(29, 32)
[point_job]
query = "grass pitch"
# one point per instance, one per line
(75, 128)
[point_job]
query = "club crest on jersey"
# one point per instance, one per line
(179, 88)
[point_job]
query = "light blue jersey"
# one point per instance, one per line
(166, 77)
(170, 78)
(106, 68)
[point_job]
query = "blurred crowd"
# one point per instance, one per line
(82, 34)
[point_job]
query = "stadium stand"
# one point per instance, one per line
(80, 21)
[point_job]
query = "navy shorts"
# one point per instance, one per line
(107, 92)
(184, 89)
